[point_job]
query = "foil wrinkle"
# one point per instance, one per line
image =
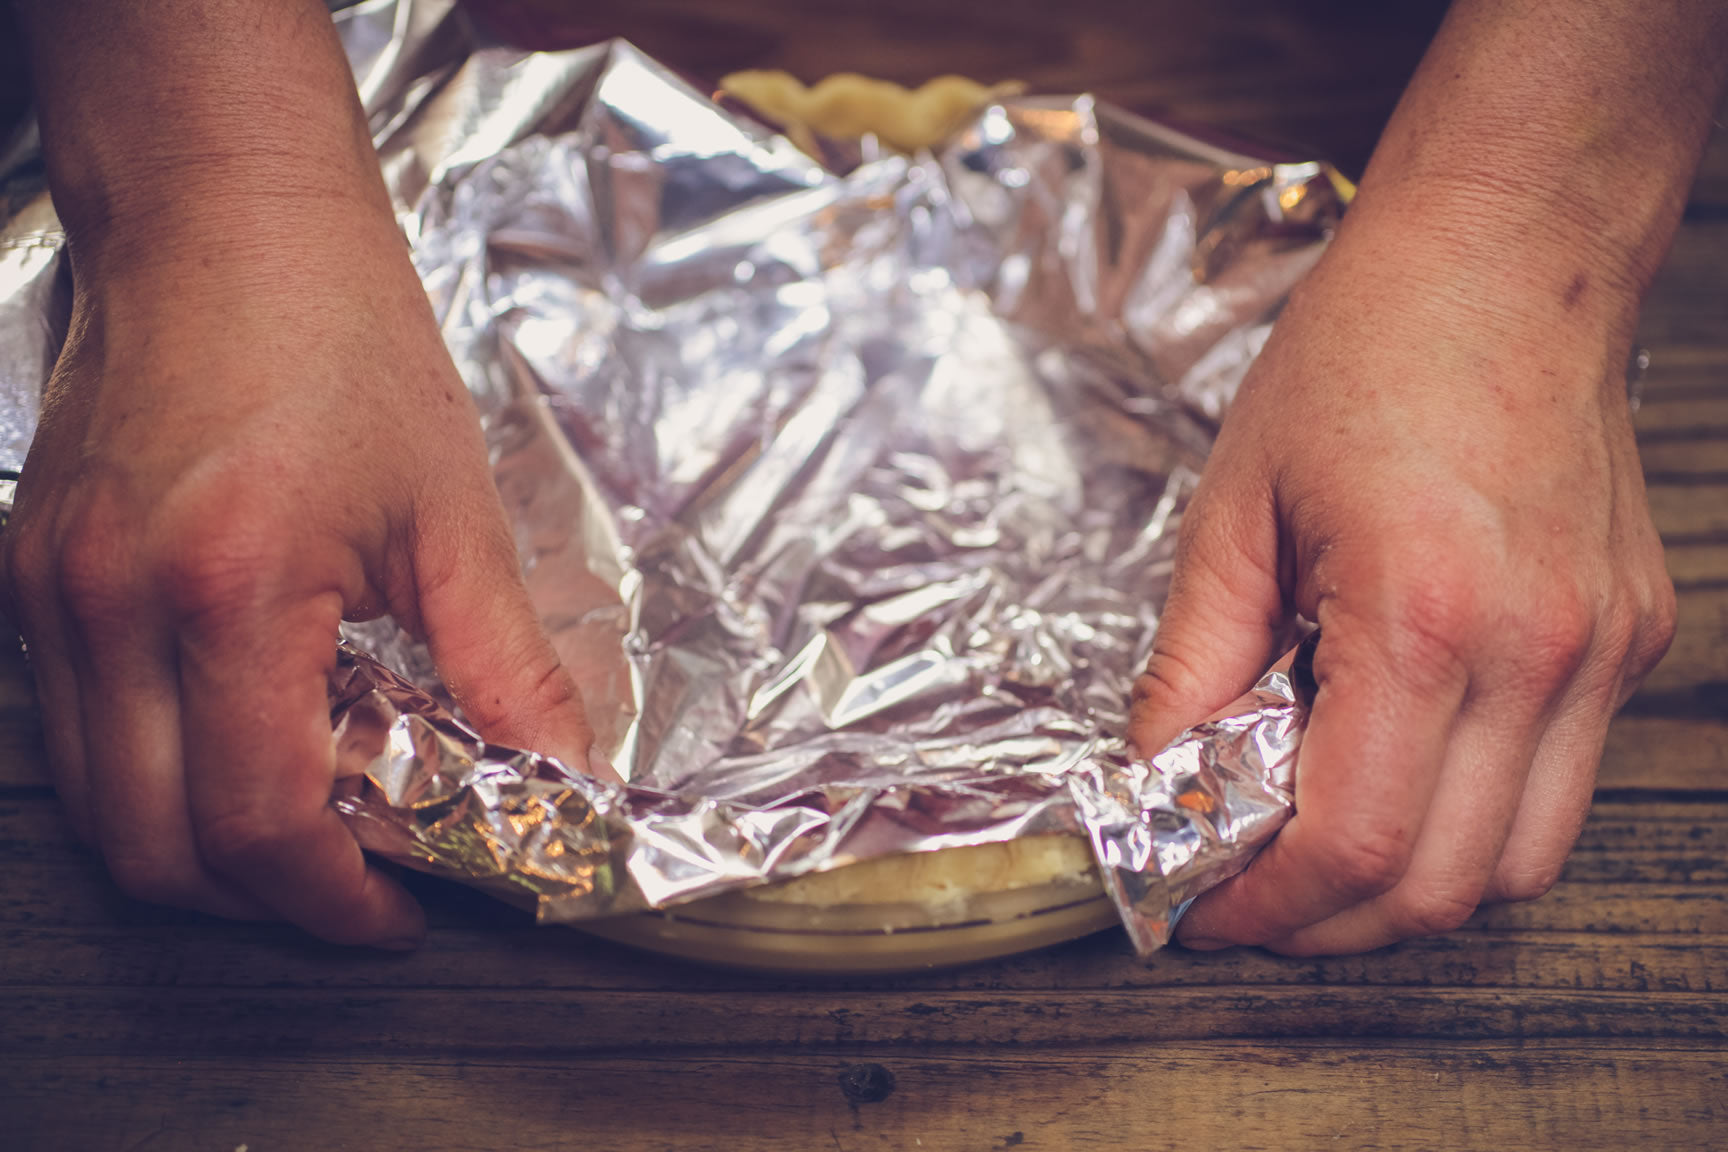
(850, 498)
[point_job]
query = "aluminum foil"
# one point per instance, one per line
(850, 498)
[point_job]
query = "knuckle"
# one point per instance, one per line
(1433, 912)
(1659, 624)
(553, 688)
(1428, 633)
(79, 553)
(240, 840)
(95, 576)
(1555, 636)
(1366, 863)
(29, 564)
(546, 692)
(215, 570)
(1169, 677)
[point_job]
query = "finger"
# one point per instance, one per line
(1629, 641)
(1370, 761)
(1652, 635)
(485, 636)
(1469, 820)
(260, 762)
(1557, 797)
(36, 611)
(1221, 623)
(62, 720)
(134, 772)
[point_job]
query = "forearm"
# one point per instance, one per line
(1543, 152)
(206, 118)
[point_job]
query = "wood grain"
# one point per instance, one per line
(1170, 1095)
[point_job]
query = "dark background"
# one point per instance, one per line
(1318, 77)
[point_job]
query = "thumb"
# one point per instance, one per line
(485, 636)
(1221, 623)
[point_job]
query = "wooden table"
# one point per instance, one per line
(1594, 1018)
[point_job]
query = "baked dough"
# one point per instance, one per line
(846, 106)
(942, 879)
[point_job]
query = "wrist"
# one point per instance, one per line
(1543, 152)
(1529, 227)
(1517, 265)
(188, 118)
(223, 225)
(1409, 310)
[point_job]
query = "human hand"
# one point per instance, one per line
(253, 433)
(1440, 471)
(1433, 459)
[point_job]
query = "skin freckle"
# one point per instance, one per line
(1575, 291)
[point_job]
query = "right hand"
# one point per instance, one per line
(1434, 463)
(254, 432)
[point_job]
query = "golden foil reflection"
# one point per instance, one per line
(1245, 177)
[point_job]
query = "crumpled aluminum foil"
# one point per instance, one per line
(850, 499)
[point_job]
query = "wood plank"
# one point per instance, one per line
(1672, 460)
(1689, 297)
(1690, 513)
(1656, 750)
(1699, 655)
(1710, 186)
(220, 959)
(1642, 909)
(1645, 906)
(555, 1024)
(1689, 416)
(1697, 565)
(1574, 1096)
(68, 924)
(1701, 362)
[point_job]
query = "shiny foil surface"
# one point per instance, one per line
(849, 498)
